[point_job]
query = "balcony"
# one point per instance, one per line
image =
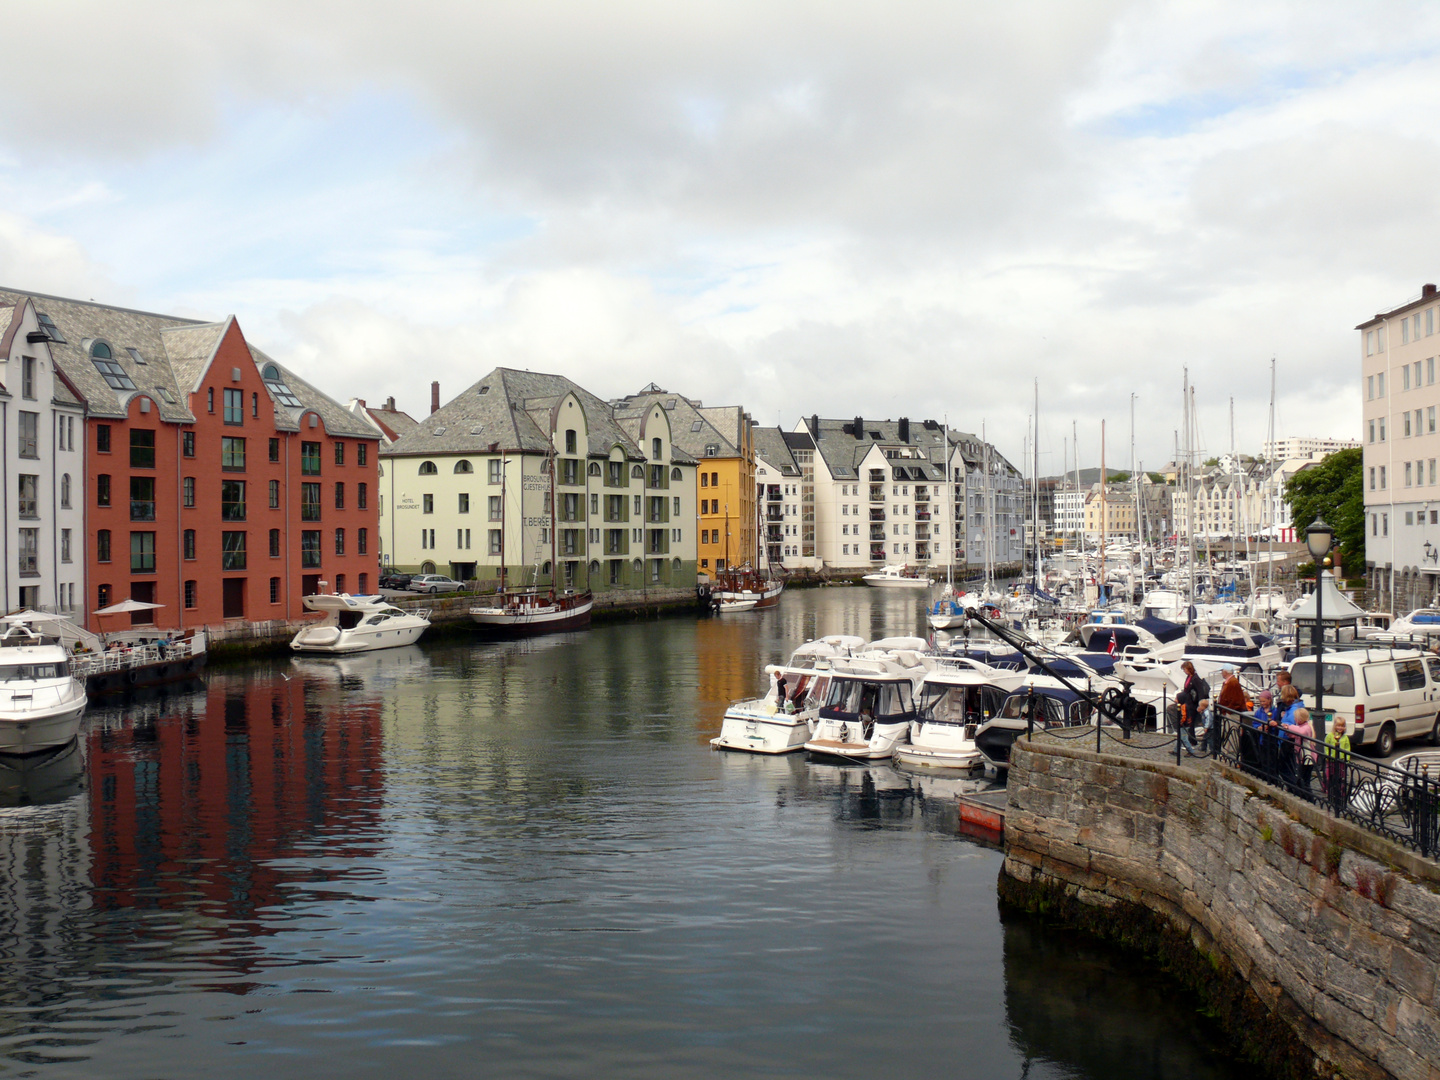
(775, 513)
(877, 492)
(877, 514)
(877, 532)
(922, 532)
(922, 553)
(922, 515)
(773, 534)
(142, 510)
(877, 553)
(922, 494)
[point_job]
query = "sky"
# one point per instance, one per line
(917, 209)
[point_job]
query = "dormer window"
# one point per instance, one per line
(135, 355)
(113, 374)
(48, 325)
(275, 383)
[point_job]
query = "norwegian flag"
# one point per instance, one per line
(1111, 649)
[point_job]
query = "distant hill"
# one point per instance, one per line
(1090, 476)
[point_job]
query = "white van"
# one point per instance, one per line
(1385, 694)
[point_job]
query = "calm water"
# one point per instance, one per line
(472, 859)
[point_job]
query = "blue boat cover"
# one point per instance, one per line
(1161, 628)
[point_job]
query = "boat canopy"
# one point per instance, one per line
(1164, 630)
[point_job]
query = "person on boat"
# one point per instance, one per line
(780, 685)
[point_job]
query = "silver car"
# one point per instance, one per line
(433, 583)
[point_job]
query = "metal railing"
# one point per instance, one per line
(1400, 804)
(87, 664)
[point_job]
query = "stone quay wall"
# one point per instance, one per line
(1313, 942)
(449, 614)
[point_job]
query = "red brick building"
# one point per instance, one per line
(217, 482)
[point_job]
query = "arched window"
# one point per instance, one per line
(427, 567)
(65, 491)
(637, 566)
(101, 351)
(427, 468)
(676, 474)
(655, 448)
(545, 569)
(676, 564)
(594, 469)
(595, 566)
(638, 472)
(463, 466)
(382, 469)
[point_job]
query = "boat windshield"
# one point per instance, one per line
(863, 697)
(1048, 710)
(29, 672)
(961, 704)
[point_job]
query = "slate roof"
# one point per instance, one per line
(692, 426)
(509, 409)
(174, 354)
(774, 446)
(843, 453)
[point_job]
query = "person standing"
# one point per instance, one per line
(1335, 769)
(1188, 699)
(1302, 736)
(779, 690)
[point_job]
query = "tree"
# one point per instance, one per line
(1119, 477)
(1333, 490)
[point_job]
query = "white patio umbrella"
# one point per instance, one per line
(126, 606)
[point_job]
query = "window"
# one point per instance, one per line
(1409, 517)
(427, 503)
(232, 453)
(1430, 362)
(339, 541)
(362, 544)
(1382, 478)
(427, 468)
(1405, 377)
(1372, 431)
(102, 438)
(1380, 384)
(704, 479)
(1430, 420)
(362, 496)
(494, 541)
(48, 325)
(274, 494)
(1382, 429)
(254, 404)
(494, 507)
(142, 449)
(1407, 474)
(1370, 388)
(274, 449)
(232, 550)
(64, 545)
(339, 453)
(189, 543)
(142, 552)
(310, 502)
(570, 471)
(570, 441)
(1384, 524)
(638, 510)
(309, 459)
(29, 435)
(310, 549)
(27, 377)
(102, 489)
(210, 399)
(464, 502)
(274, 543)
(656, 448)
(362, 457)
(29, 505)
(29, 552)
(113, 374)
(187, 445)
(190, 593)
(595, 504)
(187, 489)
(234, 406)
(339, 495)
(142, 498)
(275, 383)
(493, 469)
(232, 500)
(616, 474)
(102, 545)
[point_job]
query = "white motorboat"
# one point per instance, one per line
(896, 576)
(956, 698)
(870, 704)
(534, 611)
(358, 624)
(766, 725)
(41, 702)
(736, 605)
(1420, 623)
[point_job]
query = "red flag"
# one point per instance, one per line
(1111, 650)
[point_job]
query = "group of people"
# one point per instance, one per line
(1280, 741)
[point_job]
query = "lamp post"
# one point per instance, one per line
(1318, 538)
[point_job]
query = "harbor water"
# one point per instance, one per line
(524, 860)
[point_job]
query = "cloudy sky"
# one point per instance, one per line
(836, 207)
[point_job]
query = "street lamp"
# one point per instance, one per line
(1318, 538)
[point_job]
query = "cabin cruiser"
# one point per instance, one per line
(1420, 623)
(358, 624)
(768, 725)
(41, 702)
(516, 612)
(1166, 604)
(870, 703)
(896, 576)
(956, 697)
(1267, 601)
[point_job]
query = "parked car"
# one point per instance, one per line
(433, 583)
(1385, 694)
(393, 579)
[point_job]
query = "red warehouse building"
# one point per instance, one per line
(217, 482)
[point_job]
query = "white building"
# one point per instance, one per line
(1070, 513)
(42, 423)
(1297, 446)
(777, 481)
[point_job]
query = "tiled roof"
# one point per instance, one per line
(773, 445)
(509, 409)
(338, 420)
(843, 452)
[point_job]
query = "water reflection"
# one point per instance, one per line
(515, 854)
(39, 779)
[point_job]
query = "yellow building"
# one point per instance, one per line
(1115, 514)
(722, 441)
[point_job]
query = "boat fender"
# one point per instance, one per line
(132, 676)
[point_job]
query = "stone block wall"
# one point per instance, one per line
(1313, 941)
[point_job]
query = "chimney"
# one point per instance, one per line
(815, 426)
(859, 428)
(904, 429)
(435, 397)
(1427, 291)
(389, 404)
(362, 402)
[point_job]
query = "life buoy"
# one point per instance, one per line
(132, 676)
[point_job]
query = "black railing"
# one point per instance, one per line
(1400, 804)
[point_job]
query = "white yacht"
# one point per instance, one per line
(1420, 623)
(870, 703)
(896, 576)
(358, 624)
(41, 702)
(956, 697)
(765, 725)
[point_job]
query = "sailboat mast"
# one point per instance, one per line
(1189, 488)
(1035, 503)
(554, 513)
(1104, 510)
(1270, 485)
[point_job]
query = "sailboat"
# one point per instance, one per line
(533, 609)
(743, 588)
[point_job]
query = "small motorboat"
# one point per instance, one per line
(770, 725)
(956, 698)
(897, 576)
(358, 624)
(735, 605)
(41, 702)
(870, 703)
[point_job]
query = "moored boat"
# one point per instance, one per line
(957, 696)
(743, 584)
(515, 612)
(41, 702)
(870, 703)
(896, 576)
(358, 624)
(770, 725)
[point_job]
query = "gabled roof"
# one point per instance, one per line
(501, 410)
(693, 428)
(925, 444)
(773, 445)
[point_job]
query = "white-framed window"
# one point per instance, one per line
(1370, 388)
(1407, 474)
